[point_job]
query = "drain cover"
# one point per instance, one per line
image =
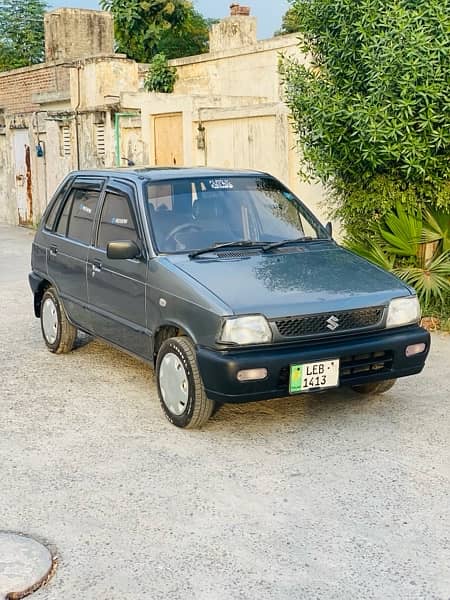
(25, 565)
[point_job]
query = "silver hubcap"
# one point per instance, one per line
(50, 321)
(173, 383)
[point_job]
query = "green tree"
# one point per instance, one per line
(21, 33)
(145, 28)
(290, 22)
(371, 110)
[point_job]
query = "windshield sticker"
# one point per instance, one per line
(288, 196)
(221, 184)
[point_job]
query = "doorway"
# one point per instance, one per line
(169, 140)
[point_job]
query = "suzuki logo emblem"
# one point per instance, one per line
(333, 323)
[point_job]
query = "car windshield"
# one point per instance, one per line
(187, 215)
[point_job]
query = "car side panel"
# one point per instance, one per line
(117, 301)
(66, 266)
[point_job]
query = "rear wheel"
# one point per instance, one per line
(59, 335)
(180, 387)
(378, 387)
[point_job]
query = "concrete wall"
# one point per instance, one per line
(7, 211)
(75, 33)
(102, 79)
(233, 32)
(249, 71)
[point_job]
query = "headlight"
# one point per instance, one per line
(246, 330)
(403, 311)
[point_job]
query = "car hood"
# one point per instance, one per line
(313, 278)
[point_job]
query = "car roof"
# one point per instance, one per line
(164, 173)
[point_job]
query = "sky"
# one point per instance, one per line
(268, 12)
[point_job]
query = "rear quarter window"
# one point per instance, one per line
(77, 214)
(55, 205)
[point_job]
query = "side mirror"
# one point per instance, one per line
(329, 228)
(122, 250)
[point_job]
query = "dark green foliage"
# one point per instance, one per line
(161, 76)
(191, 38)
(371, 113)
(21, 33)
(144, 28)
(290, 22)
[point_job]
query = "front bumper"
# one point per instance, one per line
(364, 358)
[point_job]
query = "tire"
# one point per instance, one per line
(378, 387)
(180, 387)
(59, 335)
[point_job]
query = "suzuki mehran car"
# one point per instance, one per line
(225, 282)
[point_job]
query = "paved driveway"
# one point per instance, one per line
(325, 497)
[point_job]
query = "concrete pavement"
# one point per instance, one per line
(325, 497)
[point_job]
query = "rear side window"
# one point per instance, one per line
(51, 217)
(116, 221)
(82, 215)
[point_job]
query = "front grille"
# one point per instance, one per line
(362, 364)
(327, 323)
(350, 366)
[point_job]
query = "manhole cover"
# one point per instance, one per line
(25, 565)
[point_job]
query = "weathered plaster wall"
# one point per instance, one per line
(102, 79)
(249, 71)
(7, 211)
(233, 32)
(76, 33)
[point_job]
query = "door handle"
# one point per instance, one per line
(53, 249)
(96, 266)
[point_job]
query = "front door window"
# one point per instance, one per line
(116, 221)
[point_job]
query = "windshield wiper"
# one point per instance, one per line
(301, 240)
(220, 246)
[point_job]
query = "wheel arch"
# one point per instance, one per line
(38, 294)
(166, 331)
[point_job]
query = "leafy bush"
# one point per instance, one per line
(371, 109)
(161, 77)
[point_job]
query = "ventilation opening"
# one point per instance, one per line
(100, 139)
(66, 141)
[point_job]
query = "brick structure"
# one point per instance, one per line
(18, 87)
(237, 10)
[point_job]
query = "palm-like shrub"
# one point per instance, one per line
(414, 247)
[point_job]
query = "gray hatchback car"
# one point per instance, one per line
(222, 280)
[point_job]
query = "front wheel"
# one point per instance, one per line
(180, 387)
(378, 387)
